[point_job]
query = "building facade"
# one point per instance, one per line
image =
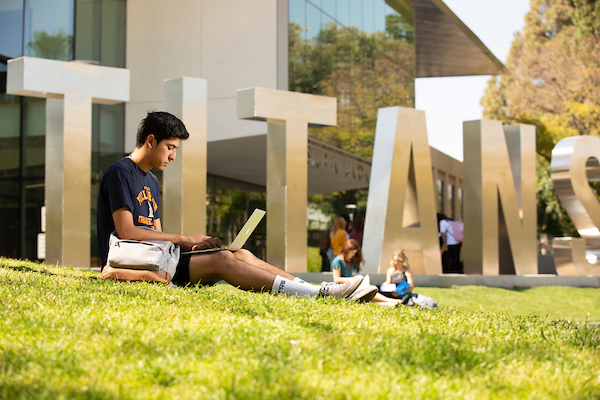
(366, 53)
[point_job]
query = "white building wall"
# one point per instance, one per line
(231, 43)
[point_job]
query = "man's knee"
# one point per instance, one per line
(217, 259)
(242, 254)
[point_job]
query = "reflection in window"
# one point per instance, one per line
(48, 29)
(359, 51)
(37, 28)
(11, 28)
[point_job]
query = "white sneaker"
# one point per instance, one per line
(340, 289)
(365, 294)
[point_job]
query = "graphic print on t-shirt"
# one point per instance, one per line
(146, 195)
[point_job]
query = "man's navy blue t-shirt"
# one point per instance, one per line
(124, 184)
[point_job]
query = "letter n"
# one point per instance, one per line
(499, 199)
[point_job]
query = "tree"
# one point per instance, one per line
(552, 81)
(55, 47)
(364, 71)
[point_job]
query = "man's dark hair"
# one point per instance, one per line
(162, 125)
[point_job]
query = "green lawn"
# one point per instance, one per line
(67, 334)
(314, 260)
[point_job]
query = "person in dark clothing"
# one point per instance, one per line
(324, 245)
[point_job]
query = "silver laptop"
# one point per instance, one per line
(241, 237)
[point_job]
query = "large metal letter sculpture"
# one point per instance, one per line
(70, 89)
(184, 183)
(401, 206)
(574, 163)
(288, 115)
(499, 201)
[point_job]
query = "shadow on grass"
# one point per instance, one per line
(30, 266)
(38, 390)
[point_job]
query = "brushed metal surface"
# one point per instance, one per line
(70, 89)
(499, 199)
(574, 163)
(401, 209)
(288, 115)
(184, 180)
(39, 77)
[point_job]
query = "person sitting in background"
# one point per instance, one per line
(398, 278)
(338, 235)
(357, 230)
(349, 261)
(399, 283)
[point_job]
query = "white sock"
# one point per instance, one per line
(296, 279)
(293, 288)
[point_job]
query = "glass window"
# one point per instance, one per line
(368, 15)
(343, 12)
(313, 22)
(48, 29)
(43, 28)
(34, 133)
(100, 32)
(10, 217)
(10, 114)
(357, 14)
(11, 28)
(362, 53)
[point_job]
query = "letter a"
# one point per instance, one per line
(401, 208)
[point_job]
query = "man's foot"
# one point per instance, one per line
(342, 290)
(364, 294)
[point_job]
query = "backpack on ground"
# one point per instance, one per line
(414, 299)
(458, 230)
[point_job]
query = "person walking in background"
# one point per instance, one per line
(349, 262)
(357, 230)
(338, 235)
(451, 235)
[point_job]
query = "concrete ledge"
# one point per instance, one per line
(501, 281)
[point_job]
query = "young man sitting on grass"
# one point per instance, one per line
(128, 200)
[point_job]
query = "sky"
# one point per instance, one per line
(448, 102)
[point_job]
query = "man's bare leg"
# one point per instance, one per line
(223, 265)
(248, 258)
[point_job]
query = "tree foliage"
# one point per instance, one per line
(552, 81)
(364, 71)
(55, 47)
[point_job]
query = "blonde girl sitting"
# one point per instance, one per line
(397, 274)
(399, 283)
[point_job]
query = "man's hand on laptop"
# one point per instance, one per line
(205, 242)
